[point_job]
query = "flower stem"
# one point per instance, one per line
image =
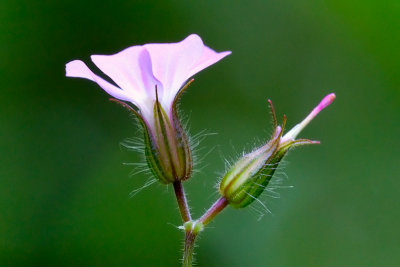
(216, 208)
(182, 202)
(193, 228)
(190, 237)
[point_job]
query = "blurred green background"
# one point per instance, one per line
(64, 192)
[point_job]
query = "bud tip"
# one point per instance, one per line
(326, 101)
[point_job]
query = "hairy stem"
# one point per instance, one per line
(182, 202)
(193, 228)
(216, 208)
(190, 237)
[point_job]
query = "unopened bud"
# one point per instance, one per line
(249, 176)
(251, 170)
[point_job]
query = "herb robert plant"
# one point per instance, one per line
(152, 77)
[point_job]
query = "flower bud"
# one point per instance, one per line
(249, 176)
(251, 171)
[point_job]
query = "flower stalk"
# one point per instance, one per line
(214, 210)
(182, 202)
(193, 228)
(188, 249)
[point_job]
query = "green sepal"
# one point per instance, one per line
(150, 150)
(167, 149)
(259, 182)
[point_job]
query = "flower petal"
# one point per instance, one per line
(77, 68)
(208, 58)
(131, 70)
(172, 62)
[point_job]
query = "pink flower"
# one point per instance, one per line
(137, 71)
(151, 76)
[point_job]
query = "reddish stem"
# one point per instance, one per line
(182, 202)
(216, 208)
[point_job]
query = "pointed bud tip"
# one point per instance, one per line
(326, 101)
